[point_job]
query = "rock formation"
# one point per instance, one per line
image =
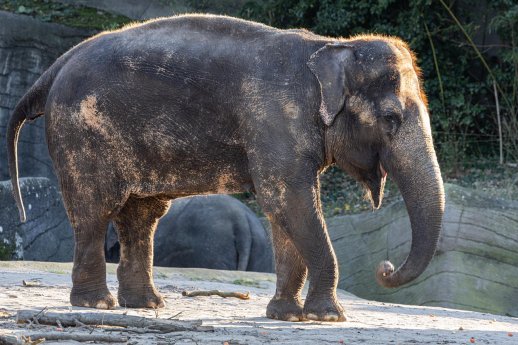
(47, 234)
(27, 48)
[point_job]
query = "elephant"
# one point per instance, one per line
(214, 231)
(206, 104)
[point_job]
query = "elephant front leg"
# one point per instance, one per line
(291, 276)
(295, 208)
(136, 224)
(89, 272)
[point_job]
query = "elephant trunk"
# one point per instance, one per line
(412, 163)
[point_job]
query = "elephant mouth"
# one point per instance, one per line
(375, 185)
(371, 178)
(383, 172)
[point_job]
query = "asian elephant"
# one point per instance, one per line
(213, 231)
(200, 104)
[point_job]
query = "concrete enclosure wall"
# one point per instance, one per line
(475, 267)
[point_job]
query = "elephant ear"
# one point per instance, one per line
(329, 65)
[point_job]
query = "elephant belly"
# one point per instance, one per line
(183, 179)
(145, 144)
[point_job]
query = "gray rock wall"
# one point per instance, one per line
(47, 234)
(475, 268)
(27, 48)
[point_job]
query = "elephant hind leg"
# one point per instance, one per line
(89, 217)
(136, 224)
(89, 272)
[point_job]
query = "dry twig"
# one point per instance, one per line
(174, 316)
(223, 294)
(37, 338)
(31, 283)
(129, 330)
(72, 319)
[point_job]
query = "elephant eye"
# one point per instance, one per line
(391, 122)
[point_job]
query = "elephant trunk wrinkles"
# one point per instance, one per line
(418, 177)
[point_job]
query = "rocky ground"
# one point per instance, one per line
(238, 321)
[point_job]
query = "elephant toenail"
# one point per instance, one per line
(331, 317)
(292, 318)
(312, 317)
(101, 305)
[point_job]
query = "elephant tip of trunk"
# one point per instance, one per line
(384, 274)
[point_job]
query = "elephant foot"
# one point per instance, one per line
(99, 299)
(150, 298)
(285, 310)
(328, 309)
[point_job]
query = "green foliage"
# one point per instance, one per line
(6, 252)
(341, 195)
(67, 14)
(505, 23)
(465, 122)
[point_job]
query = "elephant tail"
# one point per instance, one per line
(30, 107)
(244, 245)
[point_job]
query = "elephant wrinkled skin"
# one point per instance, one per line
(201, 104)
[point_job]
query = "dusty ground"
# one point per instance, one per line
(243, 322)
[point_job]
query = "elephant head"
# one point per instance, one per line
(376, 119)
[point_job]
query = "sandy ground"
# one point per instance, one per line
(242, 321)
